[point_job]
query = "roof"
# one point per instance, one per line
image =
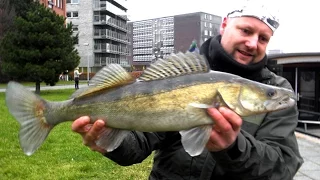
(292, 58)
(285, 55)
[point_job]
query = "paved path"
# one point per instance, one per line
(309, 146)
(310, 151)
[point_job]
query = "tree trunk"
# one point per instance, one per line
(37, 87)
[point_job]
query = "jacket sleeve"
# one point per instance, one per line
(136, 147)
(271, 153)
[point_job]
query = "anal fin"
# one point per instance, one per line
(110, 139)
(194, 140)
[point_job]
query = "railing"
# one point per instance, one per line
(314, 118)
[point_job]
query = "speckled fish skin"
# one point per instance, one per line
(170, 95)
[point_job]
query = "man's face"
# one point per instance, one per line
(245, 38)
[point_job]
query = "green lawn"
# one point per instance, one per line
(62, 156)
(32, 84)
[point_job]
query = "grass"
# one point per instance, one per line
(33, 84)
(62, 155)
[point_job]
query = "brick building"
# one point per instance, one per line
(59, 6)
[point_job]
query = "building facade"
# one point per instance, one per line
(59, 6)
(102, 30)
(303, 72)
(159, 37)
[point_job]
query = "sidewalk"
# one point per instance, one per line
(310, 151)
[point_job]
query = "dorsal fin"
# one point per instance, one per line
(176, 65)
(108, 77)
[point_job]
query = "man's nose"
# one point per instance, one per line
(252, 42)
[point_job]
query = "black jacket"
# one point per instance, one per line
(267, 150)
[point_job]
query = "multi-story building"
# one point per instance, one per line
(59, 6)
(102, 29)
(160, 37)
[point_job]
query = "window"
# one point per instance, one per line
(73, 14)
(205, 24)
(59, 3)
(206, 32)
(72, 1)
(75, 28)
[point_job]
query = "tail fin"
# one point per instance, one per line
(28, 109)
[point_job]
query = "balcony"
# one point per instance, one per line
(112, 35)
(107, 20)
(111, 48)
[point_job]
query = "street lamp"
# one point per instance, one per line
(87, 44)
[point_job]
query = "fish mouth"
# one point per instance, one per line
(282, 103)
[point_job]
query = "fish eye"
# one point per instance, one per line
(271, 92)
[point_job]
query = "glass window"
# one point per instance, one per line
(75, 28)
(75, 14)
(72, 1)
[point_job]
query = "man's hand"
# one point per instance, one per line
(227, 125)
(89, 132)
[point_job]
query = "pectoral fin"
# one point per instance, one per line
(194, 140)
(110, 139)
(201, 106)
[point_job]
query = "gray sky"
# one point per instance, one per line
(299, 29)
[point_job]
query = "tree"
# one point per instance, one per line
(22, 6)
(7, 14)
(39, 48)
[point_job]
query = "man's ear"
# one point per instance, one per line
(223, 25)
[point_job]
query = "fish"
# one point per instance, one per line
(172, 94)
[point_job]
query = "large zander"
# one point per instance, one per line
(170, 95)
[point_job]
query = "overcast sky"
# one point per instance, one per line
(299, 29)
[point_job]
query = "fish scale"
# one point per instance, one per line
(171, 95)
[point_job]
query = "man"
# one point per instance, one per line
(76, 75)
(237, 149)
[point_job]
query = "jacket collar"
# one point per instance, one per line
(220, 60)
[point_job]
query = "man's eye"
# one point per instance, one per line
(246, 31)
(264, 39)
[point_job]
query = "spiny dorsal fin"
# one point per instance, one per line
(176, 65)
(108, 77)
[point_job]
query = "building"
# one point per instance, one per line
(102, 29)
(59, 6)
(303, 72)
(159, 37)
(274, 51)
